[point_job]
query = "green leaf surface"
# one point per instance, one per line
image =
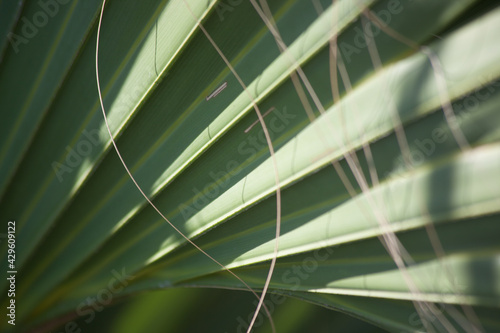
(203, 160)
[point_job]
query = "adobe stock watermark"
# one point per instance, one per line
(93, 138)
(370, 29)
(428, 320)
(423, 148)
(104, 297)
(294, 276)
(76, 154)
(276, 123)
(226, 6)
(31, 26)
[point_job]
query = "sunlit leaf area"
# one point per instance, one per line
(250, 166)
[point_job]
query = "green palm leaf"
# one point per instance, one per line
(402, 231)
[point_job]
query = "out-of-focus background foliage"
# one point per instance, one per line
(216, 310)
